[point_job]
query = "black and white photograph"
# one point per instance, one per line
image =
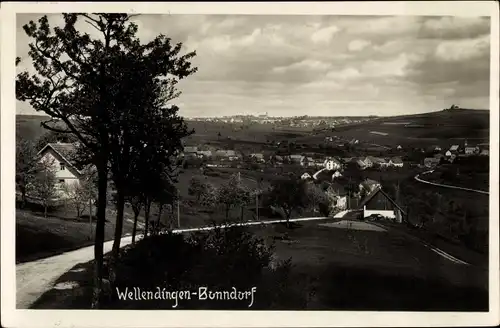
(241, 157)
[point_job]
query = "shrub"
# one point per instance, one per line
(219, 259)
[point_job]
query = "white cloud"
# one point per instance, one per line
(358, 45)
(345, 74)
(361, 65)
(459, 50)
(324, 35)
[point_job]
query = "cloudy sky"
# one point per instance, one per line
(321, 65)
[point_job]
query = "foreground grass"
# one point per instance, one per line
(39, 237)
(333, 269)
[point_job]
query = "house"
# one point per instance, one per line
(448, 153)
(361, 164)
(471, 150)
(318, 162)
(60, 157)
(368, 185)
(454, 148)
(332, 164)
(306, 176)
(295, 158)
(335, 175)
(278, 159)
(484, 152)
(337, 196)
(225, 154)
(437, 148)
(431, 162)
(377, 161)
(190, 150)
(368, 161)
(439, 156)
(379, 203)
(204, 153)
(396, 162)
(258, 156)
(306, 161)
(399, 147)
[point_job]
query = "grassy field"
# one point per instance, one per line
(345, 269)
(39, 237)
(441, 128)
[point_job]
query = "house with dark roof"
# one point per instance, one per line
(259, 157)
(396, 162)
(368, 185)
(431, 162)
(61, 158)
(378, 202)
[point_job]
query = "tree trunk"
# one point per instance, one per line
(23, 197)
(120, 205)
(227, 212)
(99, 233)
(242, 212)
(147, 208)
(45, 210)
(134, 229)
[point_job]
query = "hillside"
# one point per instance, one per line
(441, 125)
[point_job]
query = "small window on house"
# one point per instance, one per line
(62, 166)
(61, 181)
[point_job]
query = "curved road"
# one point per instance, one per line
(417, 177)
(36, 277)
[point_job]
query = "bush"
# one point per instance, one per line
(219, 259)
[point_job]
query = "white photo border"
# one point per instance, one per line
(155, 318)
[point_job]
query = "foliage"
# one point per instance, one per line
(85, 84)
(196, 261)
(26, 165)
(43, 185)
(83, 191)
(288, 194)
(232, 193)
(196, 187)
(317, 199)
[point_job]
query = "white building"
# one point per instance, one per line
(59, 157)
(331, 164)
(305, 176)
(336, 175)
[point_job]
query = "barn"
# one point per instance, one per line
(378, 202)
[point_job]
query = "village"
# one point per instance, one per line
(304, 169)
(333, 175)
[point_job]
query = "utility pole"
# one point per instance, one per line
(90, 217)
(178, 210)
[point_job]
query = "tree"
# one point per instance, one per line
(317, 199)
(82, 193)
(289, 195)
(196, 187)
(168, 195)
(26, 165)
(228, 194)
(209, 196)
(79, 84)
(44, 184)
